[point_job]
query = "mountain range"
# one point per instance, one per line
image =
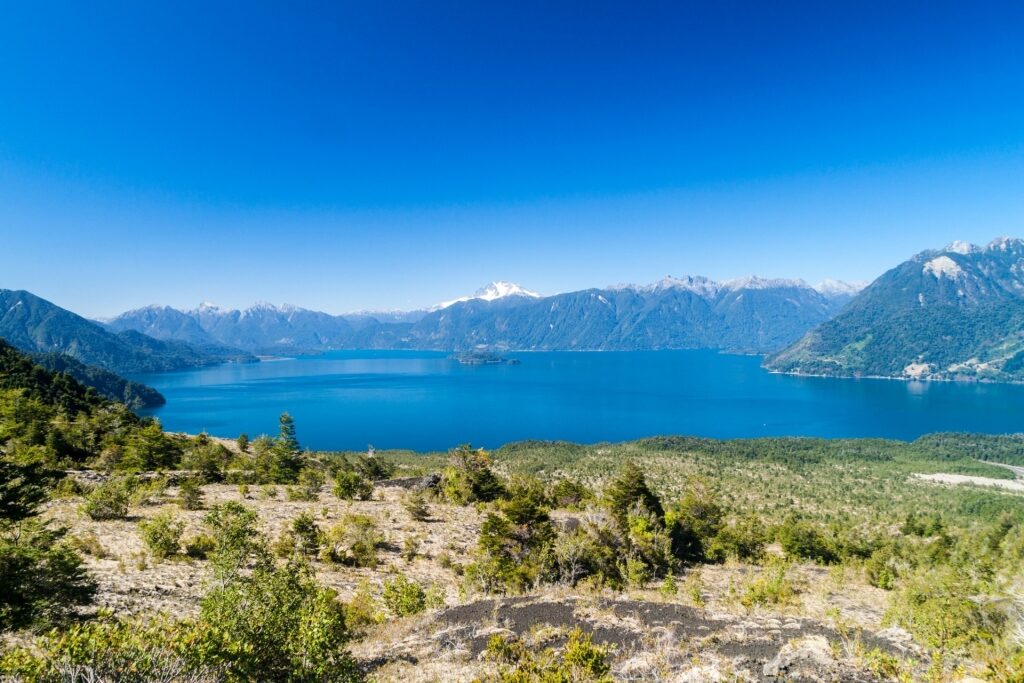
(37, 326)
(747, 315)
(952, 313)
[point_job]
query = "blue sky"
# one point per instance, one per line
(343, 156)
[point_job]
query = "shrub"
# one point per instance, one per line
(469, 478)
(308, 487)
(694, 521)
(276, 624)
(208, 459)
(307, 535)
(569, 494)
(233, 527)
(362, 611)
(415, 503)
(581, 661)
(939, 607)
(190, 494)
(801, 539)
(411, 548)
(145, 493)
(353, 541)
(88, 544)
(109, 500)
(628, 490)
(106, 649)
(404, 597)
(771, 587)
(350, 485)
(162, 535)
(200, 546)
(743, 539)
(515, 543)
(43, 579)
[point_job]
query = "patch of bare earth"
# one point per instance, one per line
(701, 634)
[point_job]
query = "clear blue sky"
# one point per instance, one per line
(394, 154)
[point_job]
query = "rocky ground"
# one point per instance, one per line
(829, 631)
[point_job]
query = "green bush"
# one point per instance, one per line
(469, 478)
(190, 494)
(940, 608)
(307, 535)
(236, 538)
(628, 490)
(276, 624)
(415, 503)
(162, 535)
(771, 587)
(353, 541)
(404, 597)
(199, 547)
(581, 661)
(803, 540)
(350, 485)
(107, 649)
(109, 500)
(310, 482)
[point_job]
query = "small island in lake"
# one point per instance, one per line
(482, 358)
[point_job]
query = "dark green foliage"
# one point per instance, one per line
(306, 534)
(207, 458)
(109, 500)
(469, 477)
(23, 487)
(694, 522)
(804, 540)
(42, 580)
(243, 442)
(105, 383)
(628, 490)
(515, 542)
(279, 461)
(569, 494)
(190, 494)
(351, 485)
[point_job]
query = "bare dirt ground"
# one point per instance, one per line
(1015, 485)
(700, 634)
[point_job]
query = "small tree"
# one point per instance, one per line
(109, 500)
(43, 580)
(162, 535)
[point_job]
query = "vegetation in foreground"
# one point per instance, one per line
(646, 517)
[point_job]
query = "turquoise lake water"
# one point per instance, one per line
(424, 401)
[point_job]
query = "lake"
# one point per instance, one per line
(425, 401)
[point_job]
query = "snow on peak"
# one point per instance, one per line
(1004, 243)
(943, 266)
(495, 290)
(208, 306)
(697, 284)
(755, 282)
(830, 287)
(961, 247)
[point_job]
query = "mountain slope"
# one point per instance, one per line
(35, 325)
(944, 314)
(106, 383)
(748, 315)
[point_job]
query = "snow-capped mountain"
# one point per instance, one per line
(956, 312)
(491, 292)
(748, 314)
